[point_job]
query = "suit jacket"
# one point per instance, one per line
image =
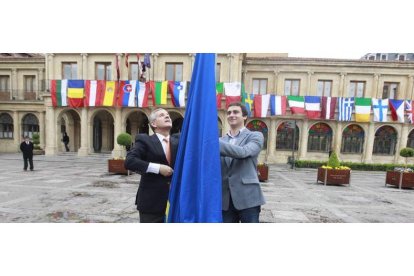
(153, 189)
(239, 172)
(27, 149)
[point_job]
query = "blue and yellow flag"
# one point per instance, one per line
(195, 194)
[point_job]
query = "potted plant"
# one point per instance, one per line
(116, 165)
(333, 172)
(37, 150)
(402, 177)
(263, 172)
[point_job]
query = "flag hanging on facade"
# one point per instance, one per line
(110, 92)
(409, 110)
(219, 94)
(177, 90)
(277, 105)
(195, 194)
(261, 105)
(296, 104)
(380, 110)
(126, 61)
(76, 89)
(247, 100)
(126, 95)
(232, 90)
(142, 94)
(160, 92)
(345, 107)
(313, 107)
(58, 91)
(397, 110)
(328, 108)
(94, 91)
(362, 109)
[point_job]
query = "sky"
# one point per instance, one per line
(319, 28)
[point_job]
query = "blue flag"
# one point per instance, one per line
(195, 194)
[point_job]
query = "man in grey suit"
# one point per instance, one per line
(239, 149)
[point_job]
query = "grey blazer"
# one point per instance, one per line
(238, 170)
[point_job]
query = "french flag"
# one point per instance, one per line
(177, 90)
(277, 105)
(126, 95)
(261, 105)
(328, 108)
(313, 107)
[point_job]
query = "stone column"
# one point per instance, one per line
(42, 129)
(271, 142)
(17, 129)
(303, 147)
(118, 150)
(309, 84)
(378, 91)
(276, 82)
(51, 67)
(155, 74)
(192, 59)
(16, 93)
(401, 142)
(375, 85)
(338, 138)
(40, 78)
(244, 78)
(85, 127)
(230, 65)
(342, 85)
(370, 143)
(409, 93)
(50, 148)
(84, 73)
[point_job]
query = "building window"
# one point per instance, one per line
(383, 57)
(133, 71)
(320, 138)
(30, 125)
(174, 71)
(29, 82)
(4, 83)
(401, 57)
(371, 58)
(292, 87)
(70, 70)
(260, 86)
(385, 141)
(6, 126)
(218, 71)
(352, 139)
(324, 88)
(356, 89)
(410, 141)
(258, 125)
(284, 137)
(103, 71)
(390, 90)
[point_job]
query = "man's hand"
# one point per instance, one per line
(166, 170)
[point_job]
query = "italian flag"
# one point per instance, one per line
(296, 104)
(219, 94)
(161, 92)
(362, 109)
(261, 105)
(58, 89)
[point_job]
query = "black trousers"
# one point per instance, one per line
(66, 147)
(151, 217)
(30, 159)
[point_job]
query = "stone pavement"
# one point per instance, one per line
(67, 188)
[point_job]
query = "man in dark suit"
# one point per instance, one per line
(239, 149)
(153, 157)
(27, 149)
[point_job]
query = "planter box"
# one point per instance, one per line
(38, 152)
(263, 172)
(117, 166)
(331, 176)
(400, 179)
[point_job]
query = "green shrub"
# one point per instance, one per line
(124, 139)
(333, 160)
(407, 152)
(36, 140)
(352, 165)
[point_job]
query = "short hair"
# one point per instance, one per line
(153, 116)
(242, 106)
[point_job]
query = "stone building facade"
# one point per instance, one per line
(93, 129)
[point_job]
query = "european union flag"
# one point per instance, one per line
(195, 194)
